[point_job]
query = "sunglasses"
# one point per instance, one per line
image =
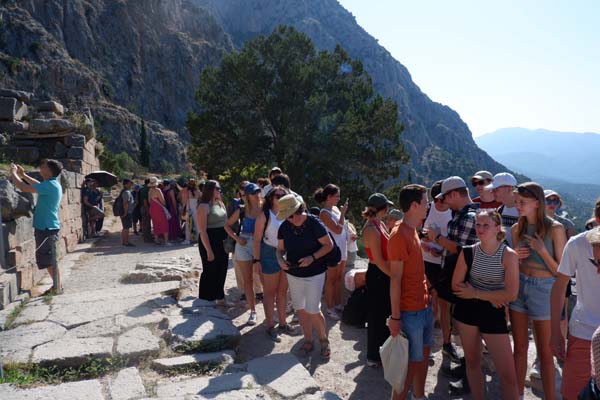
(553, 202)
(480, 183)
(525, 189)
(278, 195)
(298, 212)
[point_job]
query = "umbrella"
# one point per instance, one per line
(104, 178)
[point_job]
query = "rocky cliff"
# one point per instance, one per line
(127, 59)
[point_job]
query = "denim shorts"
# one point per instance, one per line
(268, 259)
(534, 297)
(244, 253)
(418, 328)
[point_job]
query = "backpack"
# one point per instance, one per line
(444, 287)
(356, 309)
(334, 257)
(118, 207)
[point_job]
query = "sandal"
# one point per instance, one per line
(325, 349)
(306, 349)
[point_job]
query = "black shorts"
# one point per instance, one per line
(44, 240)
(482, 314)
(433, 273)
(127, 221)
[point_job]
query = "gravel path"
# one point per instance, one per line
(103, 264)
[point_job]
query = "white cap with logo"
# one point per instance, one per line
(502, 179)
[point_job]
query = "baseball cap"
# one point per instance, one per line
(549, 192)
(481, 175)
(449, 184)
(502, 179)
(251, 188)
(378, 201)
(395, 214)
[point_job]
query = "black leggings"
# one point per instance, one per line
(378, 309)
(212, 279)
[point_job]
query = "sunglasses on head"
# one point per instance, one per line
(553, 202)
(480, 183)
(525, 189)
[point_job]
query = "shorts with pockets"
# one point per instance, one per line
(534, 297)
(418, 328)
(268, 259)
(244, 252)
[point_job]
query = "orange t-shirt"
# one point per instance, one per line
(404, 245)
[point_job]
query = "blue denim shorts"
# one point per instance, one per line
(268, 259)
(418, 328)
(244, 253)
(534, 297)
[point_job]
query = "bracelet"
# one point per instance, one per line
(313, 257)
(255, 260)
(394, 319)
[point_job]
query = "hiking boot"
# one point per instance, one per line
(535, 370)
(455, 374)
(449, 350)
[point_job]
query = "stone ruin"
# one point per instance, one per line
(32, 129)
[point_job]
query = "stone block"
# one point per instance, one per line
(284, 374)
(75, 141)
(29, 155)
(138, 343)
(18, 231)
(33, 313)
(8, 290)
(7, 108)
(15, 204)
(75, 153)
(50, 126)
(46, 115)
(26, 337)
(22, 142)
(100, 327)
(191, 360)
(206, 385)
(13, 126)
(50, 106)
(127, 385)
(88, 390)
(202, 333)
(72, 352)
(17, 94)
(60, 150)
(21, 110)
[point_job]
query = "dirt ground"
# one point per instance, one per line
(346, 373)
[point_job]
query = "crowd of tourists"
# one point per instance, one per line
(490, 267)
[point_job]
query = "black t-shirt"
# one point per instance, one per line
(301, 241)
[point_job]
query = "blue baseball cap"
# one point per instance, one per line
(251, 188)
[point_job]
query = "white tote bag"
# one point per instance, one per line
(394, 358)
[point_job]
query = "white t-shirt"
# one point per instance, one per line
(340, 238)
(440, 220)
(273, 225)
(585, 318)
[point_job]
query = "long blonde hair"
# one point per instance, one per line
(543, 223)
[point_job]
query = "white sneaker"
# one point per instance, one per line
(535, 370)
(252, 318)
(295, 319)
(333, 314)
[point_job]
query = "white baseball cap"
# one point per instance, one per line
(502, 179)
(451, 183)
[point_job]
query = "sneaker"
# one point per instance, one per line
(535, 370)
(339, 308)
(459, 389)
(243, 297)
(373, 364)
(287, 329)
(331, 313)
(273, 334)
(449, 350)
(295, 318)
(188, 242)
(259, 297)
(252, 318)
(454, 374)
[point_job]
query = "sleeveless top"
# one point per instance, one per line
(217, 216)
(335, 216)
(270, 236)
(487, 271)
(384, 244)
(248, 225)
(534, 257)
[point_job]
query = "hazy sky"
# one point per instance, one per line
(533, 64)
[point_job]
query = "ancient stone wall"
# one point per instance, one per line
(31, 130)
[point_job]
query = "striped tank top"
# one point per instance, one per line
(487, 271)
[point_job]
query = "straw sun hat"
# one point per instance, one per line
(288, 205)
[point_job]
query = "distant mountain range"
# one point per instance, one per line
(566, 156)
(566, 162)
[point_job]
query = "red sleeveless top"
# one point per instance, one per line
(384, 243)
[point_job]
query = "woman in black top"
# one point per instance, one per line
(302, 244)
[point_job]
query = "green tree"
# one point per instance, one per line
(144, 147)
(314, 114)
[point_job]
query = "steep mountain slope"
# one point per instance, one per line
(567, 156)
(439, 142)
(123, 59)
(127, 59)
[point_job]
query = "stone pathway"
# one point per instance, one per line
(170, 345)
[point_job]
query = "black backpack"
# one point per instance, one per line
(444, 287)
(356, 309)
(334, 257)
(118, 207)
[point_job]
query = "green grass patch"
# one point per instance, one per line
(10, 320)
